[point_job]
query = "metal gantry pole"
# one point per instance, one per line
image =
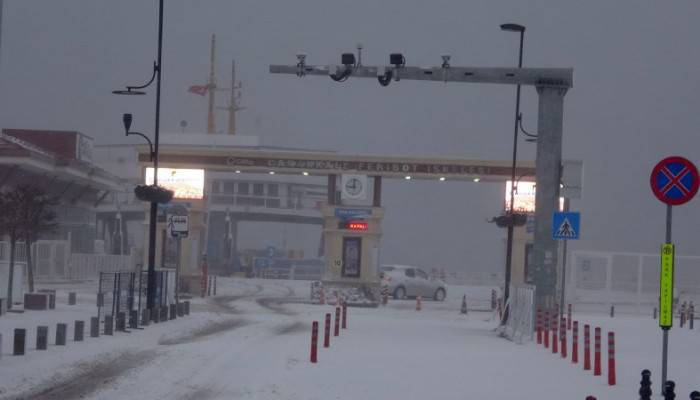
(153, 220)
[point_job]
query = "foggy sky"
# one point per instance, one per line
(635, 97)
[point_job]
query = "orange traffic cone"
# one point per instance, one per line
(419, 303)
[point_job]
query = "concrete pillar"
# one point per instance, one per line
(61, 330)
(42, 337)
(94, 327)
(121, 322)
(133, 319)
(19, 343)
(377, 192)
(145, 317)
(548, 173)
(78, 331)
(109, 325)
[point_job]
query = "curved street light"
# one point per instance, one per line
(136, 90)
(511, 27)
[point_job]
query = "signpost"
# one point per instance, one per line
(179, 228)
(565, 226)
(674, 181)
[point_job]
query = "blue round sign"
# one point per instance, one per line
(674, 180)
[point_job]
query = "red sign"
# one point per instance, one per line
(356, 226)
(674, 180)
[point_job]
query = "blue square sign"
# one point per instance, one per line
(566, 225)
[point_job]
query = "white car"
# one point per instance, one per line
(405, 281)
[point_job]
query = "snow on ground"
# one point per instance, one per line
(252, 342)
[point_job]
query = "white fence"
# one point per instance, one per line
(89, 266)
(53, 260)
(629, 280)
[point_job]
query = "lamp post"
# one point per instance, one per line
(509, 243)
(136, 90)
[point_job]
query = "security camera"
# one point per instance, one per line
(397, 60)
(348, 59)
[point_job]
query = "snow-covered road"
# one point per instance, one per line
(252, 342)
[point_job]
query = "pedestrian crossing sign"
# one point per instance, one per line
(566, 225)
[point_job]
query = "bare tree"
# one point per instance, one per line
(27, 213)
(38, 218)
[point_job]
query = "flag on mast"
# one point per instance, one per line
(198, 89)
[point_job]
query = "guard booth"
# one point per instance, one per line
(351, 238)
(352, 230)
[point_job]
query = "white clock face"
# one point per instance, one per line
(353, 187)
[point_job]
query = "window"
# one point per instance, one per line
(243, 188)
(421, 274)
(273, 190)
(411, 273)
(228, 187)
(258, 189)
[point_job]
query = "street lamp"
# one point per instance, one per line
(509, 244)
(154, 194)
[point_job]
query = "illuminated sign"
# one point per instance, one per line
(666, 287)
(356, 226)
(186, 183)
(524, 197)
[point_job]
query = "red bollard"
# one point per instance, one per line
(545, 330)
(562, 337)
(569, 319)
(574, 343)
(596, 361)
(611, 359)
(555, 340)
(538, 324)
(586, 347)
(345, 315)
(336, 331)
(327, 331)
(314, 342)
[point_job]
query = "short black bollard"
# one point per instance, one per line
(187, 308)
(94, 327)
(163, 313)
(173, 311)
(612, 311)
(695, 395)
(670, 390)
(645, 386)
(180, 309)
(71, 299)
(133, 319)
(214, 285)
(20, 340)
(78, 331)
(109, 325)
(42, 337)
(155, 315)
(145, 317)
(61, 330)
(121, 322)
